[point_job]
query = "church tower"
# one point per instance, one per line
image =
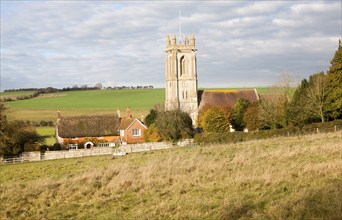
(181, 76)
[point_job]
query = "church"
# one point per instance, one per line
(181, 84)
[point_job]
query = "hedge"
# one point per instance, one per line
(238, 136)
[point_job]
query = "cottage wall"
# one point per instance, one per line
(128, 134)
(109, 139)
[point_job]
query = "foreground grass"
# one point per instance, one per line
(280, 178)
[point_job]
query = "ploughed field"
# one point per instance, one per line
(281, 178)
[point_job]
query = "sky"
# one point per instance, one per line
(116, 43)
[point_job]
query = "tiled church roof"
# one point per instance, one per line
(224, 98)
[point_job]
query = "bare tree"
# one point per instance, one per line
(273, 104)
(316, 96)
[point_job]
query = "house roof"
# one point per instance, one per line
(127, 122)
(225, 98)
(88, 126)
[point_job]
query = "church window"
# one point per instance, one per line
(181, 63)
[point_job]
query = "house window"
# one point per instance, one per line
(136, 132)
(74, 138)
(73, 146)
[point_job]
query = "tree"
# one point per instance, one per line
(98, 86)
(174, 125)
(251, 117)
(309, 101)
(297, 113)
(15, 135)
(151, 117)
(5, 140)
(273, 105)
(238, 112)
(334, 86)
(151, 134)
(215, 119)
(316, 95)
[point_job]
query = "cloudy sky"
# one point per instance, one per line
(240, 43)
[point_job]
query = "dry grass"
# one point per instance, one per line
(280, 178)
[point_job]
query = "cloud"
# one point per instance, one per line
(63, 43)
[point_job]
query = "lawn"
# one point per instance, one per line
(282, 178)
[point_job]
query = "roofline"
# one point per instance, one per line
(133, 123)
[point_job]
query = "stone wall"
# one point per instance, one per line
(121, 150)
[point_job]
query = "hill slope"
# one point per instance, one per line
(281, 178)
(85, 103)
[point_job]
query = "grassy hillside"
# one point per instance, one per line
(48, 133)
(282, 178)
(86, 103)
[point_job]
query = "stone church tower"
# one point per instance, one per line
(181, 76)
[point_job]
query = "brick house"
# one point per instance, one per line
(131, 129)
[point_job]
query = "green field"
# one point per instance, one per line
(48, 133)
(282, 178)
(87, 103)
(15, 94)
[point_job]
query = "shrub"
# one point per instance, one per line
(233, 137)
(151, 134)
(215, 119)
(174, 125)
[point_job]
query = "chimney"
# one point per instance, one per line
(118, 113)
(128, 113)
(59, 116)
(142, 118)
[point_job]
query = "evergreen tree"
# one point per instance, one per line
(151, 117)
(334, 86)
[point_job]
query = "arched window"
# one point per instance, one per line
(181, 63)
